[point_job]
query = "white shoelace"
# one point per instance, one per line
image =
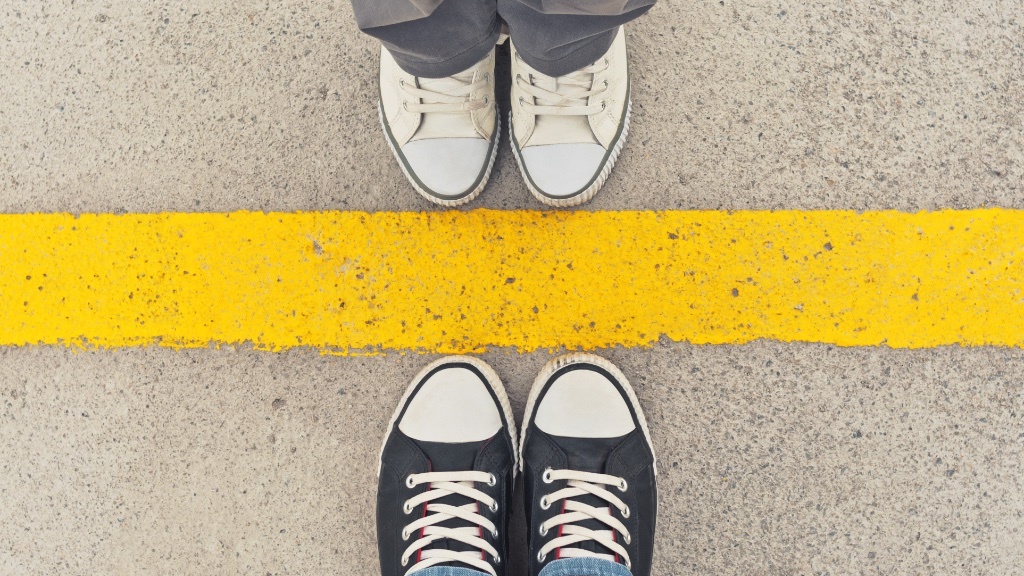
(579, 484)
(453, 94)
(444, 484)
(567, 95)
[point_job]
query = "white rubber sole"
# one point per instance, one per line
(493, 381)
(431, 197)
(582, 358)
(599, 181)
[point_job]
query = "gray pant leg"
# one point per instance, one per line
(431, 38)
(557, 37)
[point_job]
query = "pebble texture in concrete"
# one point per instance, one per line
(222, 105)
(775, 459)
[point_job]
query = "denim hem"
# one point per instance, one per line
(447, 571)
(584, 567)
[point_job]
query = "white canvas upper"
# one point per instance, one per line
(459, 106)
(441, 129)
(567, 131)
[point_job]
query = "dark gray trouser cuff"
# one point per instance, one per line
(449, 67)
(555, 40)
(584, 55)
(557, 44)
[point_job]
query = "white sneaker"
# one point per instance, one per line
(442, 131)
(567, 131)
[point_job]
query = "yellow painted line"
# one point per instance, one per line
(353, 282)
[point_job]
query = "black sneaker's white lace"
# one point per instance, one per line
(569, 533)
(444, 484)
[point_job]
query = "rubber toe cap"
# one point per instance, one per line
(563, 170)
(584, 404)
(448, 167)
(453, 405)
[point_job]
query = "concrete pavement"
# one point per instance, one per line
(776, 458)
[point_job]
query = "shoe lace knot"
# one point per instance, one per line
(456, 94)
(568, 95)
(443, 485)
(570, 533)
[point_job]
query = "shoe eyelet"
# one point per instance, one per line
(401, 82)
(627, 538)
(625, 512)
(543, 532)
(540, 557)
(409, 482)
(544, 504)
(604, 105)
(487, 100)
(623, 486)
(493, 507)
(494, 533)
(405, 106)
(405, 535)
(491, 480)
(497, 559)
(522, 101)
(546, 478)
(407, 508)
(607, 61)
(405, 560)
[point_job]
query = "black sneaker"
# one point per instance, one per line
(446, 472)
(591, 495)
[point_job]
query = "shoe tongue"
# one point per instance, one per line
(444, 85)
(549, 83)
(558, 86)
(449, 457)
(445, 124)
(587, 454)
(550, 129)
(446, 457)
(590, 455)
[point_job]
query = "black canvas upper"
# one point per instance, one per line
(629, 457)
(403, 456)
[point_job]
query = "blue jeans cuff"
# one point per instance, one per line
(584, 567)
(447, 571)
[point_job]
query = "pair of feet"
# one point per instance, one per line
(566, 131)
(451, 455)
